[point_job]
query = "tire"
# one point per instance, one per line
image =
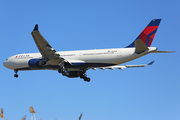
(16, 75)
(88, 79)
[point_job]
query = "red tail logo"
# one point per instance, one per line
(147, 35)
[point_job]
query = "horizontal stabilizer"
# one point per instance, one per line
(162, 51)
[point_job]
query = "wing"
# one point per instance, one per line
(121, 67)
(48, 53)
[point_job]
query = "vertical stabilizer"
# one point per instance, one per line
(147, 35)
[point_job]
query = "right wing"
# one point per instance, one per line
(48, 53)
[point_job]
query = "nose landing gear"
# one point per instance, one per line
(16, 75)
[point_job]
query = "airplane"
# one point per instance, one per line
(75, 63)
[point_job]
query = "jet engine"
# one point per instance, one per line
(36, 62)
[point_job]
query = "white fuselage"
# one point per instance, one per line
(99, 56)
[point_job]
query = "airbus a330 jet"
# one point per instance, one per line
(76, 63)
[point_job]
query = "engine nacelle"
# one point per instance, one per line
(72, 74)
(42, 62)
(36, 62)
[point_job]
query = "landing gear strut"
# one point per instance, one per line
(61, 70)
(15, 75)
(84, 76)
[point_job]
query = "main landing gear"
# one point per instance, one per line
(72, 74)
(16, 75)
(84, 76)
(61, 70)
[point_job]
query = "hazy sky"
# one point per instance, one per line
(149, 93)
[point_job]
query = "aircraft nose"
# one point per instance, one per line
(5, 64)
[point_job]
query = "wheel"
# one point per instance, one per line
(16, 75)
(60, 70)
(87, 79)
(81, 76)
(63, 73)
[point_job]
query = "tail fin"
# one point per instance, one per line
(148, 33)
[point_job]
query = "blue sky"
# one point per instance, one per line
(150, 93)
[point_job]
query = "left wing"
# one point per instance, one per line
(48, 53)
(121, 67)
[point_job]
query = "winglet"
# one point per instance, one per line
(36, 27)
(151, 63)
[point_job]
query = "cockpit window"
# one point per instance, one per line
(6, 59)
